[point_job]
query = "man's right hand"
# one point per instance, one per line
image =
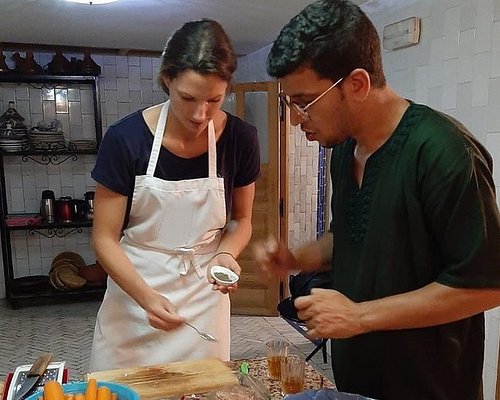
(273, 258)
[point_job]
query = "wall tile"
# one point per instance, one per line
(468, 16)
(480, 84)
(109, 77)
(135, 99)
(495, 51)
(87, 101)
(146, 68)
(123, 110)
(111, 97)
(75, 113)
(494, 106)
(135, 61)
(147, 91)
(17, 200)
(451, 32)
(123, 89)
(73, 93)
(121, 67)
(35, 97)
(484, 26)
(22, 93)
(134, 77)
(88, 125)
(108, 60)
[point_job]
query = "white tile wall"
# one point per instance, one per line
(127, 84)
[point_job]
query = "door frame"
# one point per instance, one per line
(278, 130)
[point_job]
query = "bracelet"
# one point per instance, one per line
(224, 252)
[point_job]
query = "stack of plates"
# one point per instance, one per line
(83, 144)
(13, 144)
(46, 140)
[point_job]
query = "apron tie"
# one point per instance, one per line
(187, 260)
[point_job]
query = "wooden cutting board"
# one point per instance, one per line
(181, 378)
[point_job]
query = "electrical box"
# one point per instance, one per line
(402, 34)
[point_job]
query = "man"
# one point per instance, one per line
(415, 236)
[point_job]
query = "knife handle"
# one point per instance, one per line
(40, 365)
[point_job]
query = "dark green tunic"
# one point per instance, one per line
(425, 212)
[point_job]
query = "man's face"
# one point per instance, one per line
(324, 121)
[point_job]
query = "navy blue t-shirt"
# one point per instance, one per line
(126, 147)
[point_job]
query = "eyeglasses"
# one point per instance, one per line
(302, 110)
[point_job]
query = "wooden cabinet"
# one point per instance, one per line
(27, 289)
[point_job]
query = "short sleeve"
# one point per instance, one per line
(114, 167)
(248, 153)
(458, 195)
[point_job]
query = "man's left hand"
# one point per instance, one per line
(329, 314)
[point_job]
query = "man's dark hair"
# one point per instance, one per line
(333, 37)
(201, 46)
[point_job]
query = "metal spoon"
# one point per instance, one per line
(204, 335)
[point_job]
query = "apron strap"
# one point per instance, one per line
(160, 129)
(212, 151)
(158, 138)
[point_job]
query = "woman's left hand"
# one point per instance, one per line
(228, 261)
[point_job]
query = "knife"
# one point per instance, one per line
(35, 372)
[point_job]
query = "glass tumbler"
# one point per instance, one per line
(275, 351)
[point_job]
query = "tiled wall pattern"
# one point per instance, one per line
(455, 68)
(127, 84)
(303, 161)
(303, 188)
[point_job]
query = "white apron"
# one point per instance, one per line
(174, 230)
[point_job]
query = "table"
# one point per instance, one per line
(258, 370)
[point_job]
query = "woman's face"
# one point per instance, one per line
(195, 98)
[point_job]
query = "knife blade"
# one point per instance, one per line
(32, 376)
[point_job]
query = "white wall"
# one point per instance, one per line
(456, 69)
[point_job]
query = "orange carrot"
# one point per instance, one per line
(53, 390)
(114, 396)
(91, 392)
(103, 393)
(80, 396)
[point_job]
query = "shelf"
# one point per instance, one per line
(37, 289)
(47, 152)
(26, 78)
(40, 291)
(55, 225)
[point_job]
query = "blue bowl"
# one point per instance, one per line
(123, 392)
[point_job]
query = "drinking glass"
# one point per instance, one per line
(292, 374)
(276, 350)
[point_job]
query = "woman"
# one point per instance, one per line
(175, 173)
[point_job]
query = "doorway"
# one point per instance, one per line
(257, 103)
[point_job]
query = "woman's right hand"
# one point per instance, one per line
(161, 313)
